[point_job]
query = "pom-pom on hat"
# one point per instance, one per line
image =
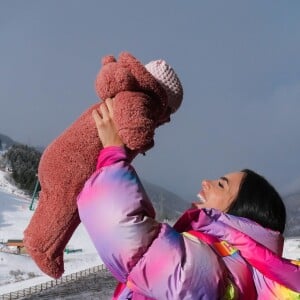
(167, 77)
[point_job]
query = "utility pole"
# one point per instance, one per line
(37, 183)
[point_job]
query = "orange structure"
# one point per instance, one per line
(16, 243)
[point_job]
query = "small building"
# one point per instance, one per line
(18, 244)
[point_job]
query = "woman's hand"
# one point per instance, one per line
(103, 117)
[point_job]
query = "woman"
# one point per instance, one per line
(220, 249)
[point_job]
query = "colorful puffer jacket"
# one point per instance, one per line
(153, 260)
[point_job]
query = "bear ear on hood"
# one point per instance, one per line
(113, 78)
(107, 59)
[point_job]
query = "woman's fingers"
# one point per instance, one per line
(96, 115)
(98, 120)
(109, 105)
(104, 111)
(104, 122)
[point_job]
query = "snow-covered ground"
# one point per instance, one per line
(291, 248)
(14, 218)
(19, 271)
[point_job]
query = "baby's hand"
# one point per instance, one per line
(103, 117)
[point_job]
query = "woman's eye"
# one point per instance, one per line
(220, 185)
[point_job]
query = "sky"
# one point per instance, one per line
(238, 62)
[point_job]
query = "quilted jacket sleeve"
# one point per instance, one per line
(150, 257)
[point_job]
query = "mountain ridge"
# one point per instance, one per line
(6, 142)
(292, 203)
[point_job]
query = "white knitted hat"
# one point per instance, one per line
(167, 77)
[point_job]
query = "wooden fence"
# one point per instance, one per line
(50, 284)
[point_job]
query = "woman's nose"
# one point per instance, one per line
(205, 184)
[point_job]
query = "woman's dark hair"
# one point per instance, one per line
(258, 201)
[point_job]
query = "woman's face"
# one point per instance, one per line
(219, 193)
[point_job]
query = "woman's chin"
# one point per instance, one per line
(197, 205)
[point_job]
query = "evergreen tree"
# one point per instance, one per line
(23, 161)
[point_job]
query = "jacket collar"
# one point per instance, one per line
(212, 220)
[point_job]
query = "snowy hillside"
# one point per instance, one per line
(14, 217)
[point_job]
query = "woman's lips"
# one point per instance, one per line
(202, 200)
(201, 197)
